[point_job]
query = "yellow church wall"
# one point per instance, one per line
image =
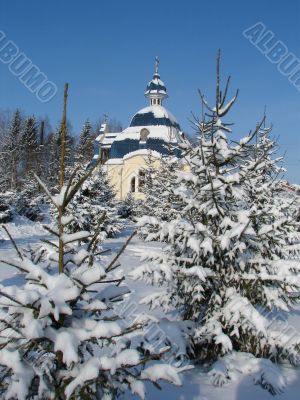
(120, 175)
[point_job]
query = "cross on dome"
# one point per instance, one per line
(156, 65)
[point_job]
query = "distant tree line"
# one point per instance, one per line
(29, 145)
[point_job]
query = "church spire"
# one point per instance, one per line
(156, 91)
(156, 67)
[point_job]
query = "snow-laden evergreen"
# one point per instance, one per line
(160, 180)
(29, 202)
(85, 147)
(263, 371)
(128, 207)
(30, 147)
(229, 260)
(6, 213)
(61, 337)
(95, 205)
(11, 151)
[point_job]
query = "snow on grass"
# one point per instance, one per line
(22, 228)
(239, 373)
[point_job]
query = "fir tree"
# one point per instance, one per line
(61, 338)
(12, 152)
(52, 146)
(43, 149)
(160, 180)
(228, 260)
(6, 214)
(127, 207)
(96, 206)
(85, 147)
(30, 146)
(29, 201)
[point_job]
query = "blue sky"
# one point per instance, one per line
(106, 50)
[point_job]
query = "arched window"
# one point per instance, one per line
(144, 135)
(132, 184)
(141, 180)
(104, 155)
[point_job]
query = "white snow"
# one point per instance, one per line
(237, 372)
(22, 374)
(158, 111)
(157, 372)
(163, 132)
(72, 237)
(66, 219)
(142, 152)
(114, 161)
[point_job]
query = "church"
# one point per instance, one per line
(153, 130)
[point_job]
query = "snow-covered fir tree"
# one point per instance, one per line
(45, 150)
(29, 201)
(52, 159)
(127, 207)
(11, 152)
(6, 213)
(30, 146)
(96, 206)
(160, 180)
(85, 147)
(61, 337)
(228, 261)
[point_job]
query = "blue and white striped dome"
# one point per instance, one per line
(156, 86)
(153, 116)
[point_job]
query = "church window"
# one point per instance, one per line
(141, 181)
(132, 184)
(144, 135)
(104, 155)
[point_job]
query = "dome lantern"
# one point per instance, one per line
(156, 91)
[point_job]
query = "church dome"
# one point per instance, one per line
(156, 90)
(153, 116)
(156, 86)
(152, 127)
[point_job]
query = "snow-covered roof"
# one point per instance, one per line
(103, 128)
(107, 138)
(158, 113)
(140, 152)
(156, 86)
(154, 116)
(114, 161)
(168, 134)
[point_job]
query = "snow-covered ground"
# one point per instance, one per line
(196, 383)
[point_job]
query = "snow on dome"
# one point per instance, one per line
(156, 90)
(158, 111)
(156, 85)
(151, 127)
(154, 115)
